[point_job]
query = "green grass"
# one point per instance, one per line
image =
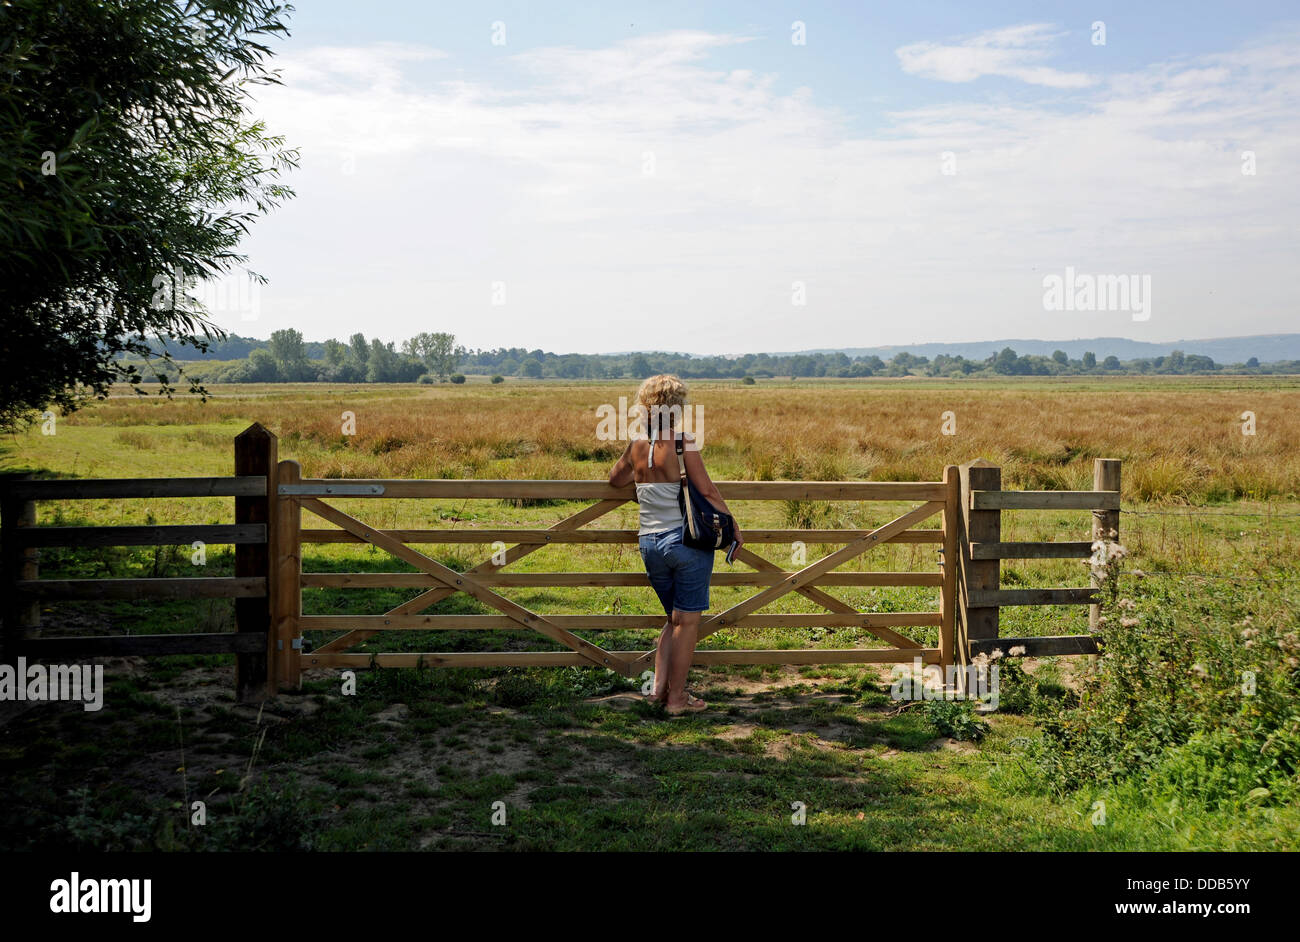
(574, 773)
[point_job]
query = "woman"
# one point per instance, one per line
(680, 574)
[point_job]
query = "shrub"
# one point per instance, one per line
(955, 718)
(457, 378)
(270, 818)
(748, 381)
(498, 379)
(427, 379)
(1190, 698)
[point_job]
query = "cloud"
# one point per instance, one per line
(614, 189)
(1011, 52)
(378, 65)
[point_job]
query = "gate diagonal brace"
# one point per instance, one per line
(456, 581)
(433, 596)
(828, 601)
(809, 573)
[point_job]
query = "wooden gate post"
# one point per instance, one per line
(22, 613)
(256, 453)
(951, 564)
(286, 581)
(977, 575)
(1105, 523)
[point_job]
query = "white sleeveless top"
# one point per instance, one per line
(659, 510)
(658, 501)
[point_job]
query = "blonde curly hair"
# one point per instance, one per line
(664, 396)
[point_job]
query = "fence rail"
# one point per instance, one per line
(267, 533)
(204, 587)
(253, 485)
(542, 537)
(600, 490)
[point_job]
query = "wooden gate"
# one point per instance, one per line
(937, 498)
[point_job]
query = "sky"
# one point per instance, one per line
(742, 177)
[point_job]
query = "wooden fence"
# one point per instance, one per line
(980, 593)
(268, 534)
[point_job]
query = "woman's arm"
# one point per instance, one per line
(623, 473)
(699, 476)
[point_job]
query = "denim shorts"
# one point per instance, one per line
(679, 573)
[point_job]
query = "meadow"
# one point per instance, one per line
(415, 759)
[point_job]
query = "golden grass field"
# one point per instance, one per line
(1180, 438)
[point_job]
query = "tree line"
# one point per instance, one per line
(435, 357)
(287, 358)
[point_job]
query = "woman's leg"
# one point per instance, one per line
(663, 657)
(660, 575)
(686, 628)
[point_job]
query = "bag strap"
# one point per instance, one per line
(652, 427)
(684, 492)
(651, 430)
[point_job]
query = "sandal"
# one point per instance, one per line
(659, 700)
(693, 705)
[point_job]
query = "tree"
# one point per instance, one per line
(438, 352)
(132, 168)
(360, 350)
(1111, 363)
(1061, 357)
(531, 367)
(641, 367)
(1005, 362)
(382, 365)
(290, 355)
(335, 353)
(1089, 360)
(262, 367)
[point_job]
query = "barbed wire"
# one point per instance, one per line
(1253, 577)
(1187, 512)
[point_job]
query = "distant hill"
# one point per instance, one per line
(1267, 347)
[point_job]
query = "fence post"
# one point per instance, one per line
(951, 563)
(22, 613)
(1105, 523)
(256, 451)
(978, 575)
(286, 581)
